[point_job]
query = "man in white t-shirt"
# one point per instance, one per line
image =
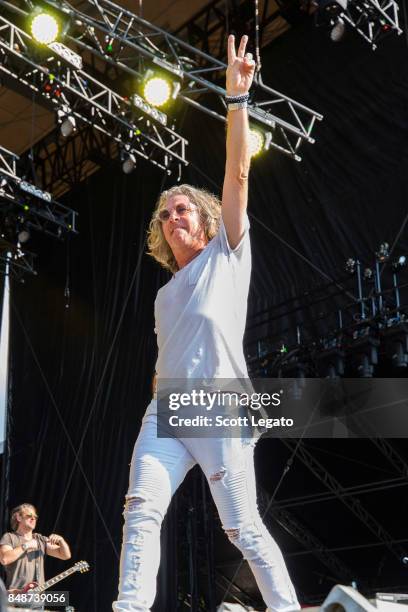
(200, 321)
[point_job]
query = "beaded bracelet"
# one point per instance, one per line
(237, 102)
(237, 99)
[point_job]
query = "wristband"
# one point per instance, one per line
(24, 546)
(237, 106)
(237, 99)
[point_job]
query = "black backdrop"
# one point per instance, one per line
(83, 347)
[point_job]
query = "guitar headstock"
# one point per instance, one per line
(82, 566)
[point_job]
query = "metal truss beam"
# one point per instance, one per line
(289, 122)
(61, 164)
(390, 452)
(36, 206)
(77, 94)
(370, 487)
(207, 29)
(372, 18)
(296, 529)
(351, 502)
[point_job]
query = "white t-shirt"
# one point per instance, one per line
(201, 314)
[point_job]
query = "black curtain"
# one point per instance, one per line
(83, 346)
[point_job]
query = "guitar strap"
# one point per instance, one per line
(37, 561)
(37, 574)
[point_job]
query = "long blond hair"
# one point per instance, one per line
(18, 510)
(210, 212)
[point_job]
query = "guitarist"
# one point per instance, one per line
(22, 551)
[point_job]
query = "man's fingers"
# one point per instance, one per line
(231, 49)
(242, 46)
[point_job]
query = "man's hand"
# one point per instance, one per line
(241, 68)
(57, 547)
(31, 544)
(55, 539)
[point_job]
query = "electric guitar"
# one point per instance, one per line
(34, 587)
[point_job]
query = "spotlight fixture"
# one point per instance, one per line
(23, 235)
(68, 126)
(129, 163)
(256, 141)
(350, 265)
(51, 87)
(44, 28)
(157, 91)
(330, 14)
(399, 263)
(338, 31)
(383, 253)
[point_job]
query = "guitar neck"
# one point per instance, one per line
(52, 581)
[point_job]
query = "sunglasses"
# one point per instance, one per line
(30, 516)
(181, 210)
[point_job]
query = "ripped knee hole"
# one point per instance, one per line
(233, 534)
(217, 476)
(132, 503)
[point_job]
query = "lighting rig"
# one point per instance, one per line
(23, 207)
(121, 38)
(374, 323)
(372, 19)
(79, 96)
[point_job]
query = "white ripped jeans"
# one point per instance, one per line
(158, 467)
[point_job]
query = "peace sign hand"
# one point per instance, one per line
(241, 68)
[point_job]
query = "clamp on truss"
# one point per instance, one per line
(137, 127)
(37, 207)
(372, 19)
(288, 122)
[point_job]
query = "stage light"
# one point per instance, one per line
(44, 28)
(383, 253)
(24, 235)
(129, 163)
(338, 31)
(68, 126)
(157, 91)
(256, 141)
(401, 262)
(350, 266)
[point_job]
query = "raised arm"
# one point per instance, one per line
(240, 74)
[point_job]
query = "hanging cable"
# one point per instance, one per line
(67, 293)
(227, 25)
(258, 64)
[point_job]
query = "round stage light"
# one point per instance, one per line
(68, 126)
(157, 91)
(129, 164)
(256, 142)
(24, 235)
(338, 31)
(44, 28)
